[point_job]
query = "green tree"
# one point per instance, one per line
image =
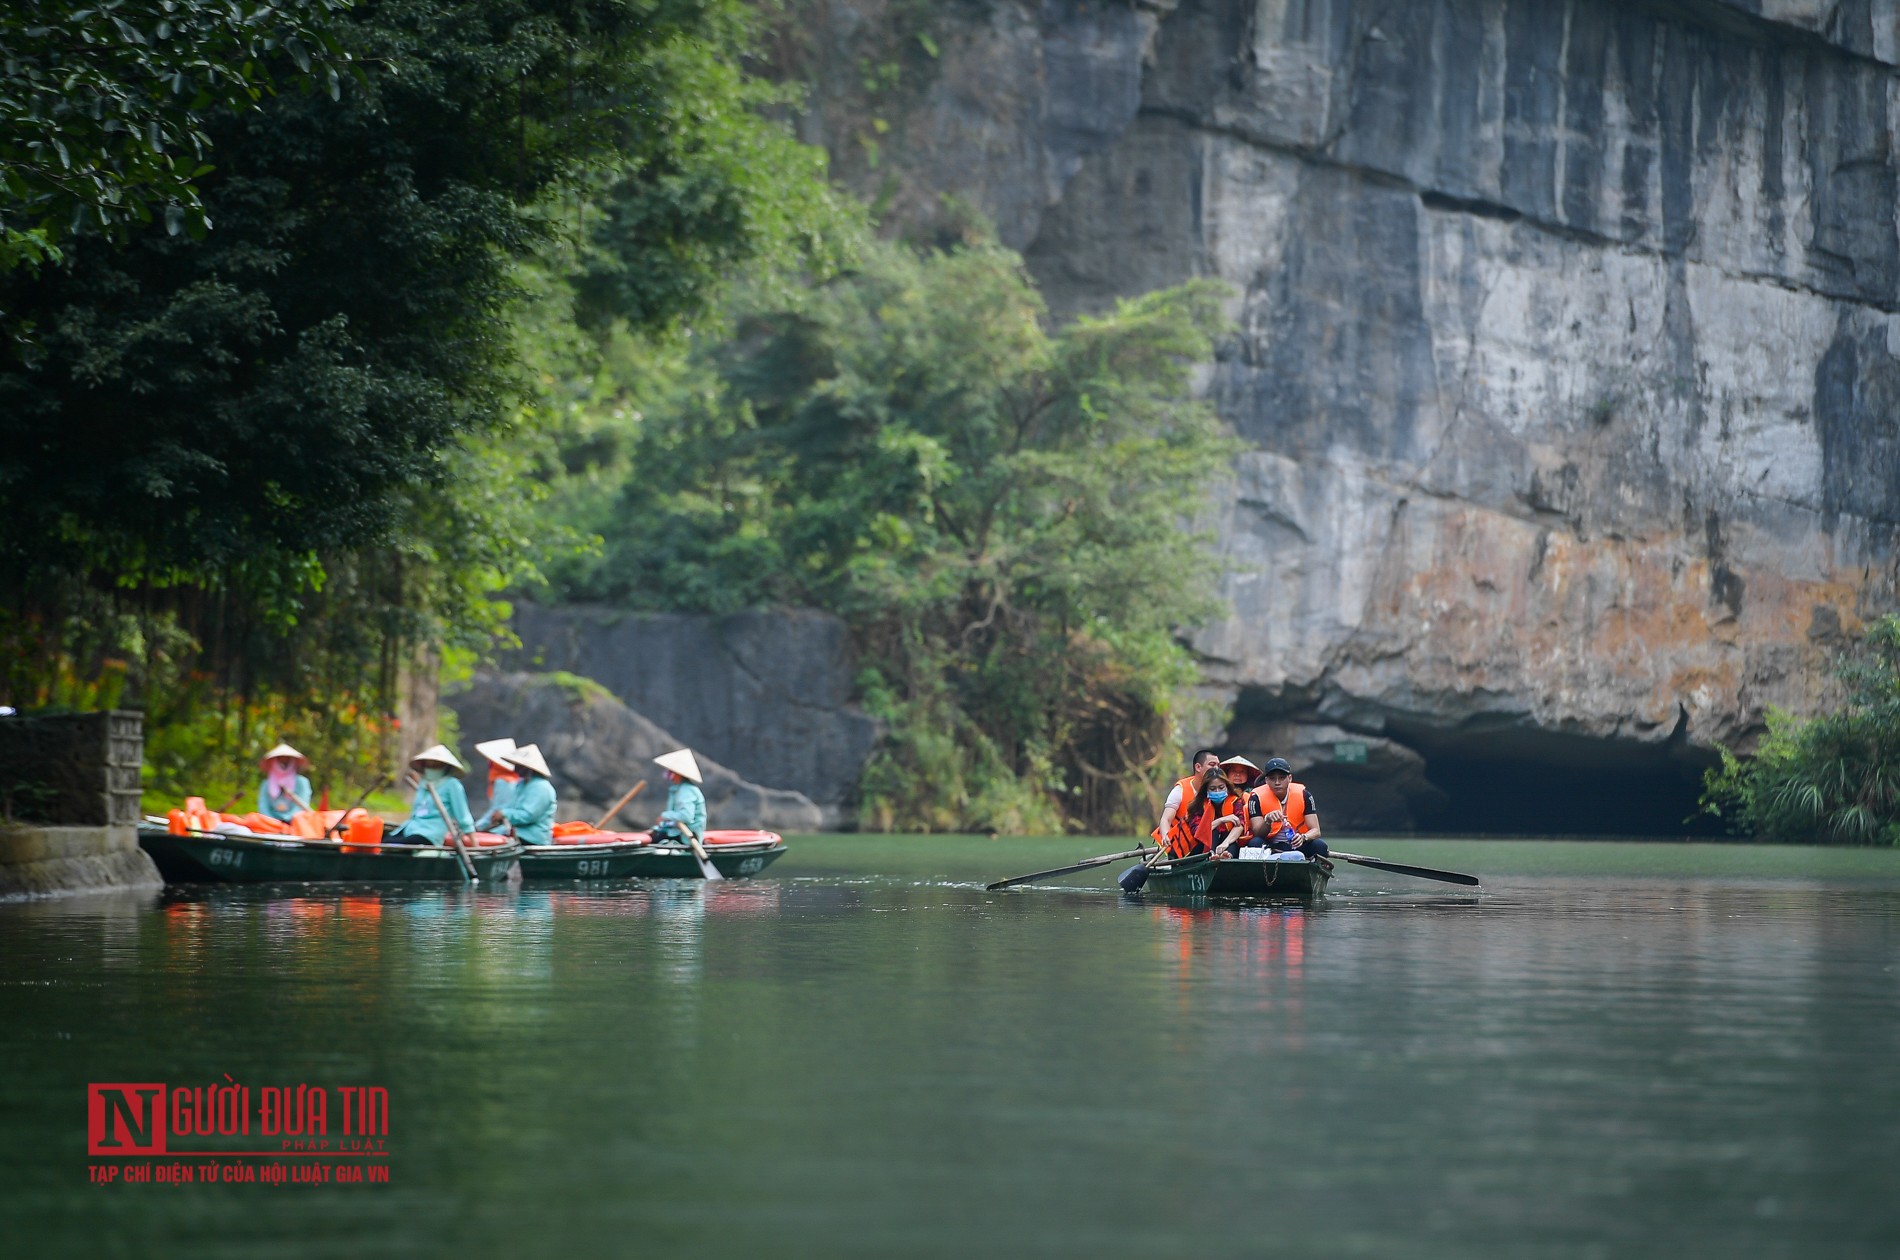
(105, 107)
(998, 511)
(1833, 779)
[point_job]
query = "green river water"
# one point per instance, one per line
(1613, 1050)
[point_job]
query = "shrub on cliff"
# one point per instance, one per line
(1832, 779)
(995, 508)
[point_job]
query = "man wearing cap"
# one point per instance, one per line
(284, 792)
(502, 776)
(1283, 813)
(529, 811)
(425, 824)
(685, 812)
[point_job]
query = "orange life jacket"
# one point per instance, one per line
(1190, 835)
(1295, 804)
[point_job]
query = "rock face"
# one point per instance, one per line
(598, 748)
(767, 693)
(1566, 343)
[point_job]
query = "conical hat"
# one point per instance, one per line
(498, 751)
(284, 750)
(528, 757)
(437, 756)
(681, 763)
(1238, 760)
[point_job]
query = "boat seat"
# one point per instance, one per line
(740, 837)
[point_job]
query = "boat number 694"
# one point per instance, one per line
(226, 857)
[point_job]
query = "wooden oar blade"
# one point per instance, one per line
(1089, 864)
(1400, 868)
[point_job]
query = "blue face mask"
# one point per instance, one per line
(1217, 794)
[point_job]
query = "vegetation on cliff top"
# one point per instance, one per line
(1832, 779)
(996, 510)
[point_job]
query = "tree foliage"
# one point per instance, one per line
(1832, 779)
(297, 442)
(996, 509)
(105, 107)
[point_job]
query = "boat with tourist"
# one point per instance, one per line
(590, 854)
(1253, 872)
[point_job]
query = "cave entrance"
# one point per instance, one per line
(1522, 782)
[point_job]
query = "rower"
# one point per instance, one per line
(1283, 814)
(502, 776)
(285, 792)
(685, 812)
(529, 812)
(425, 824)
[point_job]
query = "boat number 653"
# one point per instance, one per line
(592, 866)
(752, 866)
(226, 857)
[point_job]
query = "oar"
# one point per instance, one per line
(455, 834)
(1400, 868)
(707, 870)
(619, 805)
(1066, 870)
(341, 818)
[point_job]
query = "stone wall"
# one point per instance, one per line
(767, 693)
(1567, 337)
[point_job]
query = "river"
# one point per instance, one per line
(1614, 1050)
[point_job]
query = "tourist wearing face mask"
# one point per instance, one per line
(1209, 816)
(434, 768)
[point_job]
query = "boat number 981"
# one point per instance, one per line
(592, 866)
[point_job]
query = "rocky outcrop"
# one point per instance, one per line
(1567, 341)
(767, 693)
(598, 748)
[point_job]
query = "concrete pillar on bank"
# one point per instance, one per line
(70, 784)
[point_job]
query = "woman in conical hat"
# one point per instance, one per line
(285, 791)
(502, 776)
(529, 813)
(434, 781)
(685, 812)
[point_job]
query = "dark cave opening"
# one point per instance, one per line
(1516, 781)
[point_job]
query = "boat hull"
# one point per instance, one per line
(221, 859)
(1237, 877)
(643, 861)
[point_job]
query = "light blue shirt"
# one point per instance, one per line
(500, 792)
(424, 820)
(530, 810)
(282, 808)
(686, 804)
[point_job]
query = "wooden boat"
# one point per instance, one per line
(634, 855)
(1251, 873)
(219, 857)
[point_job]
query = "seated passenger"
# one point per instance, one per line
(285, 792)
(685, 814)
(502, 776)
(528, 814)
(1283, 814)
(425, 824)
(1209, 817)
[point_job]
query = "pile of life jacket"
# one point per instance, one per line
(356, 826)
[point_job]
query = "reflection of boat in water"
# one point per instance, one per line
(635, 855)
(218, 857)
(1251, 873)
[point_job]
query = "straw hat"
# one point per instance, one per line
(1238, 760)
(437, 756)
(284, 750)
(498, 751)
(681, 763)
(528, 757)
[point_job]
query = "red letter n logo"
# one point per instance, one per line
(125, 1119)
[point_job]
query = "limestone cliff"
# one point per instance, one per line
(1566, 342)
